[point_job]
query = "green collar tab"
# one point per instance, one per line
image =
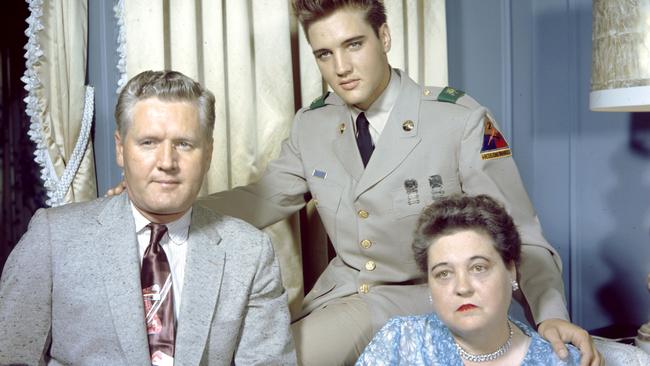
(319, 102)
(450, 95)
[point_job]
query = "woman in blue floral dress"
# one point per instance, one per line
(469, 247)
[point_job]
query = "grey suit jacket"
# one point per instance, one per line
(70, 292)
(370, 213)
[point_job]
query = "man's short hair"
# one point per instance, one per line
(455, 213)
(170, 86)
(309, 11)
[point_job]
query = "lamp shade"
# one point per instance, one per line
(620, 68)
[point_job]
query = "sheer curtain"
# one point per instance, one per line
(255, 59)
(59, 104)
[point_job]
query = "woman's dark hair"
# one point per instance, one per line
(451, 214)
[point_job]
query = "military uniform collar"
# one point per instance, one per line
(378, 113)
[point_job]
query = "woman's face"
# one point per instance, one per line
(470, 284)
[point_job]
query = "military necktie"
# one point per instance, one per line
(364, 140)
(158, 297)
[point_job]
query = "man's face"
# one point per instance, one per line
(165, 156)
(350, 56)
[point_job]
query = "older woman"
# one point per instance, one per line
(469, 248)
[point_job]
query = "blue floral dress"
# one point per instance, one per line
(425, 340)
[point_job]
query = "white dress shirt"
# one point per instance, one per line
(174, 243)
(378, 113)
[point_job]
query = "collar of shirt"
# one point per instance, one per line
(177, 231)
(379, 111)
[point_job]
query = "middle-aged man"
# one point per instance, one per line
(373, 154)
(147, 277)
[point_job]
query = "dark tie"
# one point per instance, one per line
(158, 296)
(364, 141)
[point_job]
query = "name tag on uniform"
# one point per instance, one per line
(319, 174)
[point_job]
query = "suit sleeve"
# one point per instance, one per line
(278, 194)
(26, 297)
(541, 266)
(266, 336)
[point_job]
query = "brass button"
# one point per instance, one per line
(408, 125)
(364, 288)
(370, 265)
(363, 214)
(365, 243)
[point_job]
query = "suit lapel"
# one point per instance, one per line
(203, 274)
(118, 263)
(395, 142)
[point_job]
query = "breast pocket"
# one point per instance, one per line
(415, 194)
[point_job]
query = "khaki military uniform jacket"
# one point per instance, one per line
(427, 149)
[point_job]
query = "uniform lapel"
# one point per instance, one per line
(118, 263)
(396, 141)
(203, 274)
(345, 144)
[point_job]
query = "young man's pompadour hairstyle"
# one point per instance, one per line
(310, 11)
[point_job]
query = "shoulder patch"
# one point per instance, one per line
(319, 102)
(494, 144)
(450, 95)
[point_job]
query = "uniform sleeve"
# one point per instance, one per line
(26, 297)
(266, 335)
(278, 194)
(540, 269)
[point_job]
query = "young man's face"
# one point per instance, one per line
(350, 56)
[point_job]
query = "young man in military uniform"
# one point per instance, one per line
(373, 154)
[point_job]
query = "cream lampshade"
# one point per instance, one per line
(620, 67)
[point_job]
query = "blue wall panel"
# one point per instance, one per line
(587, 173)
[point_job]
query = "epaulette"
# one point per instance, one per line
(450, 95)
(319, 102)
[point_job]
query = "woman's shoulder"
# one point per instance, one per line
(540, 351)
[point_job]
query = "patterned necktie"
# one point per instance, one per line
(364, 140)
(158, 296)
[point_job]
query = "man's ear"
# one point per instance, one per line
(119, 155)
(209, 154)
(384, 37)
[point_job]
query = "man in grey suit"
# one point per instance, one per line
(372, 155)
(147, 277)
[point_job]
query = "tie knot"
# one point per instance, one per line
(157, 232)
(362, 122)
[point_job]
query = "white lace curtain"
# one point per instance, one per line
(254, 58)
(58, 103)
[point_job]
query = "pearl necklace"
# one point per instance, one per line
(486, 356)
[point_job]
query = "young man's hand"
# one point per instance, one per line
(119, 188)
(559, 331)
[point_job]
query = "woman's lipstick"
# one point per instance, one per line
(466, 307)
